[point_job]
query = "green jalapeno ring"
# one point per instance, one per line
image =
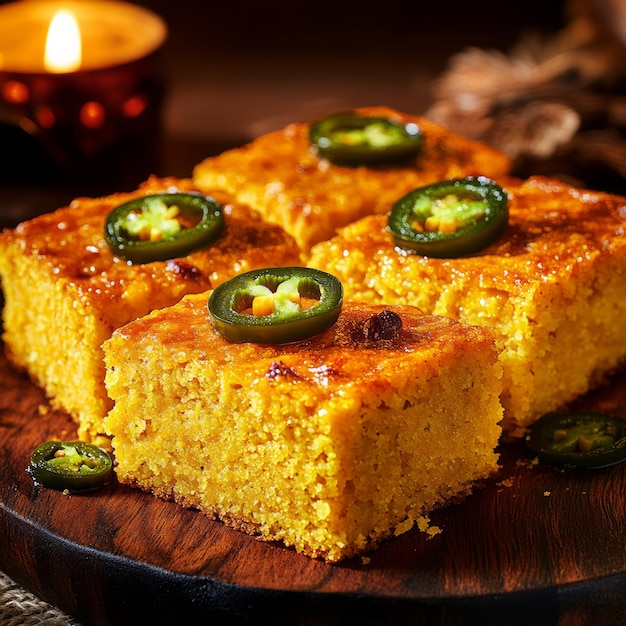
(70, 465)
(288, 323)
(352, 140)
(204, 213)
(471, 237)
(587, 440)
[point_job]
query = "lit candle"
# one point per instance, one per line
(64, 47)
(81, 76)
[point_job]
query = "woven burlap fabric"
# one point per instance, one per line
(19, 607)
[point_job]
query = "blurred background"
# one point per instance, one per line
(236, 70)
(527, 76)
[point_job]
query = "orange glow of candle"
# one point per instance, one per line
(80, 82)
(38, 36)
(63, 51)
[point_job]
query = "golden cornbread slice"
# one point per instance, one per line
(279, 175)
(551, 287)
(329, 444)
(65, 292)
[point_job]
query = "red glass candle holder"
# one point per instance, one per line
(98, 124)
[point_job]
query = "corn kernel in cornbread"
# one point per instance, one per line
(65, 292)
(278, 175)
(330, 444)
(551, 287)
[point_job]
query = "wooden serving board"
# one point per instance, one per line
(538, 545)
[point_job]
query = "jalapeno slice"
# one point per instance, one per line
(275, 305)
(351, 139)
(451, 218)
(70, 465)
(162, 226)
(591, 440)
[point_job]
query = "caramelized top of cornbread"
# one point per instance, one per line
(71, 244)
(353, 349)
(288, 151)
(280, 175)
(552, 228)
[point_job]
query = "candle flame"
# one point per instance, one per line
(63, 44)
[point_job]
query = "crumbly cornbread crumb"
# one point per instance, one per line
(551, 287)
(329, 445)
(65, 292)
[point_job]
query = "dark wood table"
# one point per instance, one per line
(538, 545)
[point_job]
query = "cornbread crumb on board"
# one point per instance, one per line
(278, 175)
(551, 288)
(350, 441)
(65, 292)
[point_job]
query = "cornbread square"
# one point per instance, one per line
(65, 291)
(329, 444)
(551, 288)
(279, 175)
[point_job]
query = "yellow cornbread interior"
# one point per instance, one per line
(551, 289)
(56, 336)
(326, 458)
(65, 292)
